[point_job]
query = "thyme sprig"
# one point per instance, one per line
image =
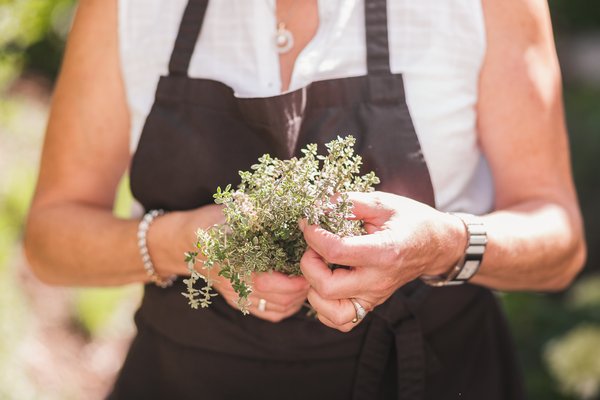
(261, 231)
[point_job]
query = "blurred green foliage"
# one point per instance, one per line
(95, 307)
(563, 327)
(32, 36)
(573, 357)
(583, 119)
(574, 16)
(539, 321)
(575, 361)
(14, 312)
(13, 208)
(585, 295)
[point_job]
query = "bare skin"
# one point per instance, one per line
(535, 235)
(536, 239)
(302, 19)
(85, 154)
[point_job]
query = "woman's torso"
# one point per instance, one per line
(438, 46)
(436, 53)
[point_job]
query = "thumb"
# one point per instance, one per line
(369, 207)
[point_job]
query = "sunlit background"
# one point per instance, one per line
(58, 343)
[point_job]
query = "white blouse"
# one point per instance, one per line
(438, 46)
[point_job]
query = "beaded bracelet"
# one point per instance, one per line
(142, 233)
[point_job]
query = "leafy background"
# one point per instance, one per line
(59, 343)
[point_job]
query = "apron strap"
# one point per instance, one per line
(189, 29)
(376, 30)
(395, 331)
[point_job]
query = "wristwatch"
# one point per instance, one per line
(469, 263)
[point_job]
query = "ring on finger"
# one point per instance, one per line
(359, 309)
(262, 305)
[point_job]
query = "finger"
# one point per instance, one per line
(372, 221)
(339, 312)
(344, 328)
(369, 207)
(366, 206)
(353, 251)
(331, 284)
(277, 302)
(276, 282)
(275, 316)
(272, 311)
(270, 306)
(336, 312)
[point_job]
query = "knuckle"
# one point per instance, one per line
(391, 256)
(310, 296)
(338, 319)
(325, 289)
(391, 253)
(304, 259)
(384, 285)
(378, 286)
(287, 303)
(293, 309)
(259, 284)
(378, 200)
(370, 305)
(277, 317)
(323, 320)
(334, 253)
(299, 284)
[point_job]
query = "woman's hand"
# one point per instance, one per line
(405, 239)
(535, 234)
(284, 295)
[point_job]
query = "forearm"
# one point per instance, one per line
(532, 246)
(535, 240)
(76, 244)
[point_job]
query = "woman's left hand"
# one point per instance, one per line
(405, 239)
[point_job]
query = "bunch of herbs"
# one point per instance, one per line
(261, 231)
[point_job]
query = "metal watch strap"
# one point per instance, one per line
(469, 263)
(477, 241)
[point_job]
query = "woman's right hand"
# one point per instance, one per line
(284, 295)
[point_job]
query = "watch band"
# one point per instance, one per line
(469, 263)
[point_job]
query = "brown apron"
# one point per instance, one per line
(422, 343)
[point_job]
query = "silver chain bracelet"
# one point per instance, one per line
(142, 233)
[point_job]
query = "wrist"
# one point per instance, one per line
(451, 245)
(165, 249)
(471, 259)
(174, 234)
